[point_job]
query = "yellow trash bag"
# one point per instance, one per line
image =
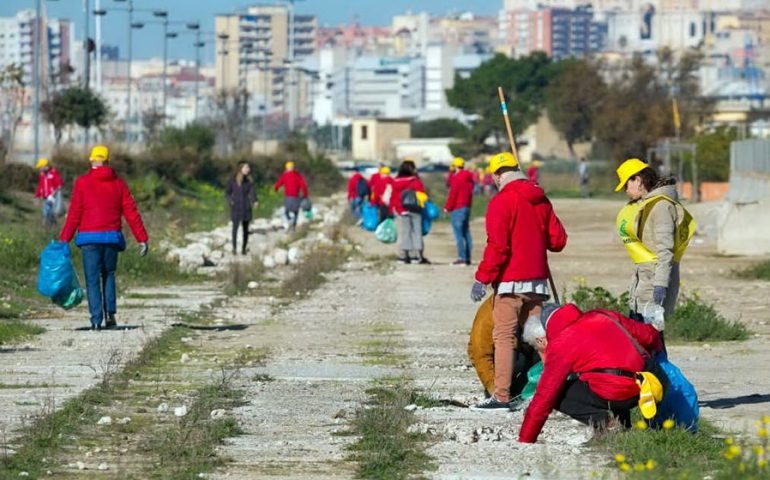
(650, 393)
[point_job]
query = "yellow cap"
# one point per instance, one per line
(100, 153)
(628, 169)
(537, 163)
(41, 163)
(650, 394)
(384, 170)
(289, 166)
(504, 159)
(458, 162)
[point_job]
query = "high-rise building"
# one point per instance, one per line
(559, 32)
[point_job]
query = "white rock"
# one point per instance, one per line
(185, 358)
(105, 421)
(218, 413)
(180, 411)
(268, 262)
(123, 421)
(81, 465)
(410, 408)
(24, 474)
(281, 256)
(186, 340)
(163, 407)
(103, 466)
(294, 255)
(252, 285)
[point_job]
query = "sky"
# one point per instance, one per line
(147, 42)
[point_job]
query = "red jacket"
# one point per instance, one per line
(378, 184)
(353, 185)
(48, 182)
(521, 227)
(293, 184)
(99, 201)
(579, 342)
(461, 185)
(399, 185)
(533, 173)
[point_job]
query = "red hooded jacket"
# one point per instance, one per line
(521, 227)
(579, 342)
(378, 184)
(99, 201)
(461, 185)
(48, 182)
(293, 184)
(353, 185)
(399, 185)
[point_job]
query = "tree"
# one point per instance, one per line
(231, 107)
(11, 107)
(573, 99)
(439, 128)
(713, 154)
(194, 137)
(74, 106)
(152, 120)
(524, 81)
(681, 76)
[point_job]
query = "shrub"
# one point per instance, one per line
(696, 321)
(758, 271)
(590, 298)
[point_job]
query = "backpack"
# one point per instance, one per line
(362, 188)
(409, 201)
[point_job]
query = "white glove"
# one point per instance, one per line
(143, 247)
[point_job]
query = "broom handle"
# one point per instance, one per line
(504, 109)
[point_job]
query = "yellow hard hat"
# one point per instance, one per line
(100, 153)
(289, 166)
(650, 394)
(41, 163)
(458, 162)
(384, 170)
(504, 159)
(628, 169)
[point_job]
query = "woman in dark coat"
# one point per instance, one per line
(241, 195)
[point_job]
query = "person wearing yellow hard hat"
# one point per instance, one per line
(295, 192)
(458, 204)
(49, 191)
(100, 202)
(655, 229)
(591, 365)
(533, 171)
(521, 228)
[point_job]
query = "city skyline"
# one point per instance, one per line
(147, 41)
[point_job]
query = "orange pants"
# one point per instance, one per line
(481, 349)
(509, 312)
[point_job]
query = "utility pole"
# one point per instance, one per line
(291, 87)
(36, 79)
(128, 75)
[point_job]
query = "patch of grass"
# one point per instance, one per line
(262, 378)
(12, 331)
(385, 448)
(150, 296)
(238, 275)
(382, 352)
(696, 321)
(310, 273)
(673, 453)
(589, 298)
(156, 352)
(151, 269)
(758, 271)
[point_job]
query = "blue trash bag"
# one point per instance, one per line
(56, 278)
(680, 403)
(370, 217)
(431, 210)
(386, 231)
(427, 223)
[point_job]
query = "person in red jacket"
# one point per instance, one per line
(49, 190)
(590, 361)
(358, 193)
(406, 205)
(100, 200)
(521, 228)
(381, 186)
(533, 171)
(294, 190)
(458, 204)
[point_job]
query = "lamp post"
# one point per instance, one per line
(36, 74)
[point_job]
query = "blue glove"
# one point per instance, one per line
(478, 291)
(659, 294)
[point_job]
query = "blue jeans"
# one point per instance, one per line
(99, 264)
(355, 206)
(461, 226)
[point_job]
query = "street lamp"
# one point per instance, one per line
(36, 75)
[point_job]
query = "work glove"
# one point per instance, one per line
(659, 294)
(478, 291)
(143, 247)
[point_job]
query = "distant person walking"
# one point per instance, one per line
(49, 190)
(583, 177)
(407, 206)
(100, 200)
(241, 195)
(294, 190)
(533, 172)
(458, 204)
(381, 186)
(656, 230)
(521, 228)
(358, 193)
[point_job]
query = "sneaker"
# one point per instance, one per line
(405, 260)
(492, 403)
(424, 261)
(110, 323)
(459, 262)
(95, 327)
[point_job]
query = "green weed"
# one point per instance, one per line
(694, 320)
(758, 271)
(589, 298)
(310, 273)
(12, 331)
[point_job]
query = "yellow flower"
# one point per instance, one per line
(650, 465)
(729, 440)
(669, 424)
(728, 455)
(734, 450)
(639, 467)
(759, 450)
(641, 425)
(766, 419)
(761, 463)
(762, 432)
(625, 467)
(620, 458)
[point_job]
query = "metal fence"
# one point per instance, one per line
(749, 171)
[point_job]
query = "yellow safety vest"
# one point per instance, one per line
(630, 223)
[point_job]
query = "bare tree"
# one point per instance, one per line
(11, 107)
(231, 107)
(152, 120)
